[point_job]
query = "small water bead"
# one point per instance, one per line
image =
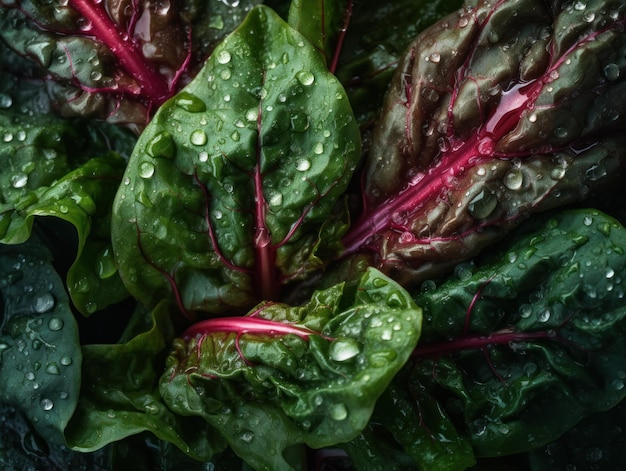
(338, 412)
(223, 57)
(252, 114)
(318, 148)
(580, 6)
(225, 74)
(589, 16)
(544, 316)
(434, 57)
(305, 77)
(46, 404)
(53, 369)
(146, 170)
(246, 436)
(275, 198)
(189, 102)
(8, 137)
(525, 310)
(66, 361)
(203, 156)
(587, 220)
(198, 137)
(532, 117)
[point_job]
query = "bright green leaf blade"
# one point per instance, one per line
(232, 187)
(537, 326)
(120, 397)
(40, 368)
(266, 392)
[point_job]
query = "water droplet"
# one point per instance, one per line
(594, 454)
(223, 57)
(203, 156)
(146, 169)
(303, 165)
(482, 205)
(46, 404)
(217, 214)
(105, 264)
(338, 411)
(595, 172)
(344, 349)
(252, 114)
(618, 384)
(246, 436)
(161, 145)
(111, 414)
(5, 101)
(189, 102)
(66, 361)
(430, 94)
(225, 74)
(587, 220)
(580, 6)
(55, 324)
(43, 302)
(53, 369)
(305, 77)
(235, 136)
(532, 117)
(19, 180)
(514, 179)
(198, 137)
(525, 310)
(611, 72)
(589, 16)
(544, 316)
(434, 57)
(299, 122)
(318, 148)
(275, 198)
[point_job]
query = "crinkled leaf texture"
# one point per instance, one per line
(115, 59)
(312, 375)
(120, 398)
(40, 356)
(516, 348)
(498, 111)
(65, 169)
(232, 189)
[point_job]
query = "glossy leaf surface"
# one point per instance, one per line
(231, 190)
(284, 376)
(120, 398)
(498, 111)
(536, 326)
(40, 367)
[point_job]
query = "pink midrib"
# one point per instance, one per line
(152, 84)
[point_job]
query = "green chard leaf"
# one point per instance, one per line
(120, 398)
(285, 376)
(40, 356)
(536, 326)
(232, 189)
(65, 169)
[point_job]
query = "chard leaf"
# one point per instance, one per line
(119, 395)
(65, 169)
(495, 112)
(114, 60)
(40, 357)
(284, 376)
(231, 191)
(536, 326)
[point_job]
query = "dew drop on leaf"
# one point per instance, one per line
(161, 145)
(53, 369)
(43, 302)
(5, 101)
(19, 180)
(514, 179)
(305, 77)
(611, 72)
(223, 57)
(55, 324)
(46, 404)
(189, 102)
(303, 165)
(344, 349)
(198, 137)
(66, 361)
(146, 170)
(338, 411)
(246, 436)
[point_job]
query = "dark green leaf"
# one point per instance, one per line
(40, 357)
(267, 391)
(519, 347)
(231, 189)
(120, 397)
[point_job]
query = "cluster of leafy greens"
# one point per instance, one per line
(282, 234)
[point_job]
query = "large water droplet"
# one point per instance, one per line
(43, 302)
(5, 101)
(46, 404)
(189, 102)
(338, 411)
(19, 180)
(514, 179)
(146, 169)
(161, 145)
(105, 264)
(344, 349)
(55, 324)
(482, 205)
(53, 369)
(303, 165)
(223, 57)
(305, 77)
(198, 137)
(611, 72)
